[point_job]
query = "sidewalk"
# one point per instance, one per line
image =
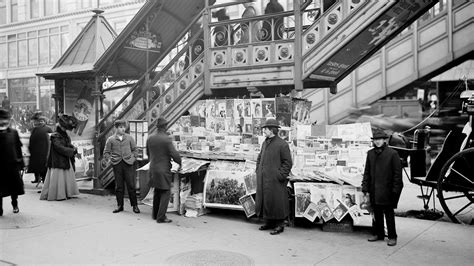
(84, 230)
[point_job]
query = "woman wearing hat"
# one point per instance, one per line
(11, 162)
(60, 182)
(39, 147)
(273, 167)
(382, 184)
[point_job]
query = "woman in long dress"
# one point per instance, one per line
(60, 182)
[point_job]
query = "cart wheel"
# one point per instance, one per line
(456, 187)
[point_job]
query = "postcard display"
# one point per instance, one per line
(229, 132)
(328, 166)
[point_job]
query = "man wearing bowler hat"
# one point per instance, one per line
(160, 150)
(273, 167)
(382, 184)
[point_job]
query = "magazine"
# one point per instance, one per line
(248, 204)
(312, 212)
(326, 212)
(340, 211)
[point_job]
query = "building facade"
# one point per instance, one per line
(33, 36)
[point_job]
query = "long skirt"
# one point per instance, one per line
(60, 184)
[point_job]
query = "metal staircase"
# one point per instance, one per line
(425, 50)
(296, 46)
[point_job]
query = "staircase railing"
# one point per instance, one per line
(181, 46)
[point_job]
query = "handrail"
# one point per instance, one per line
(152, 68)
(152, 82)
(170, 87)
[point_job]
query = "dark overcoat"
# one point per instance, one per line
(61, 154)
(39, 148)
(160, 150)
(11, 162)
(383, 177)
(273, 167)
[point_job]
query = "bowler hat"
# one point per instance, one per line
(160, 122)
(4, 114)
(67, 121)
(379, 134)
(271, 122)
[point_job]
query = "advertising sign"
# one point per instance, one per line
(369, 39)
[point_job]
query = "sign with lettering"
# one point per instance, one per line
(370, 39)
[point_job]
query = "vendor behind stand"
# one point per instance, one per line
(273, 167)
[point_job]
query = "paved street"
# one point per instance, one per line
(84, 230)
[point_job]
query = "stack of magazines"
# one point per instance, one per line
(193, 205)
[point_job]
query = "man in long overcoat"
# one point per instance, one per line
(11, 162)
(382, 183)
(160, 150)
(273, 167)
(39, 147)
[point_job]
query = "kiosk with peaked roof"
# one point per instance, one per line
(78, 85)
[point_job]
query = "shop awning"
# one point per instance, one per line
(148, 37)
(85, 50)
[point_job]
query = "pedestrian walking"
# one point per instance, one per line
(60, 182)
(273, 167)
(11, 162)
(39, 148)
(382, 184)
(160, 150)
(121, 149)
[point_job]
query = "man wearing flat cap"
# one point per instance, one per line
(273, 167)
(122, 151)
(161, 151)
(382, 184)
(39, 147)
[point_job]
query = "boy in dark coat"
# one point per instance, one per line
(39, 147)
(273, 167)
(160, 150)
(383, 184)
(11, 162)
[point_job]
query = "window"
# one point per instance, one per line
(3, 53)
(54, 48)
(46, 103)
(48, 7)
(14, 11)
(66, 5)
(22, 92)
(33, 51)
(86, 4)
(64, 42)
(3, 12)
(43, 50)
(103, 3)
(120, 25)
(12, 54)
(34, 48)
(22, 53)
(34, 8)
